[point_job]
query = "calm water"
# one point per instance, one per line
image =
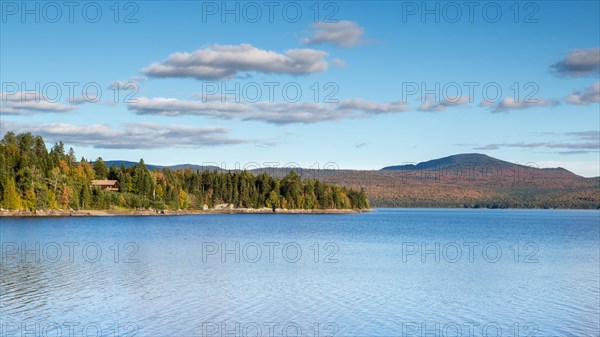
(388, 273)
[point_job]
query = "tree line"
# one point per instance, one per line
(33, 178)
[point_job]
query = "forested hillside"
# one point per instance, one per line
(513, 187)
(489, 183)
(33, 178)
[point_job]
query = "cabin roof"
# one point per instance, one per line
(104, 182)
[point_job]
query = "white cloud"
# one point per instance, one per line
(271, 112)
(589, 95)
(341, 34)
(371, 107)
(21, 103)
(579, 62)
(225, 61)
(133, 136)
(175, 107)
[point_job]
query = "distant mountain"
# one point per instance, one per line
(118, 163)
(477, 162)
(462, 160)
(193, 167)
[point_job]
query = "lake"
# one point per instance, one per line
(394, 272)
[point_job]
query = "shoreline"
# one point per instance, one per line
(150, 212)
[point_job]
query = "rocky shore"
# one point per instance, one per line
(151, 212)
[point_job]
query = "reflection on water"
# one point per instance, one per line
(388, 273)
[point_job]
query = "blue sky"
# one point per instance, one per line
(367, 55)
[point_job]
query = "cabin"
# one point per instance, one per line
(106, 185)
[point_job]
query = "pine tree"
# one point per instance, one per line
(86, 197)
(71, 157)
(11, 198)
(100, 169)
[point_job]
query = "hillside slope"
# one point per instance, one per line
(463, 180)
(467, 180)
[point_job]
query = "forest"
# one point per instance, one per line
(35, 178)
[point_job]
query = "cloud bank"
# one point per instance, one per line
(586, 97)
(226, 61)
(270, 112)
(132, 136)
(22, 103)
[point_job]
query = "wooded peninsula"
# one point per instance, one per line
(33, 178)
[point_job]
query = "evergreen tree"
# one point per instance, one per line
(11, 198)
(100, 169)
